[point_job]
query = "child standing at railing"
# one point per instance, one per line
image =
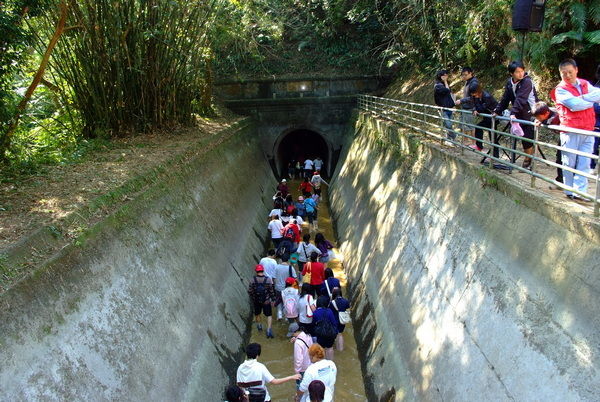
(548, 116)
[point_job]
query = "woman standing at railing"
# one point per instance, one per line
(443, 98)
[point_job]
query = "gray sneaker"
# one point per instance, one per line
(259, 327)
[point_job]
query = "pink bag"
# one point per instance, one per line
(516, 129)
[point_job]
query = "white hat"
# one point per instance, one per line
(283, 180)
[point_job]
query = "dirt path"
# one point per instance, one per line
(29, 203)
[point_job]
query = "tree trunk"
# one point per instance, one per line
(39, 75)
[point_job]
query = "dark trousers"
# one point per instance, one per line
(559, 176)
(485, 123)
(596, 146)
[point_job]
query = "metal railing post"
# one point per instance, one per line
(597, 199)
(536, 130)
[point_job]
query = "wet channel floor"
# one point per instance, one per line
(277, 353)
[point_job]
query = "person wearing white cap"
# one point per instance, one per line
(283, 188)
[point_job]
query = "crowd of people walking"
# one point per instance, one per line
(294, 284)
(576, 106)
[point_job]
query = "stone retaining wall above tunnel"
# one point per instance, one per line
(150, 304)
(465, 286)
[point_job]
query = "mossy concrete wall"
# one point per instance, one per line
(151, 303)
(465, 286)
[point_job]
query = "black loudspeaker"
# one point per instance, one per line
(528, 15)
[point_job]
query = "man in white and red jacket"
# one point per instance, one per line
(575, 99)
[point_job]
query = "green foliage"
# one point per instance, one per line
(15, 40)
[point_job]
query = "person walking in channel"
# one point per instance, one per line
(321, 369)
(306, 308)
(316, 271)
(316, 391)
(262, 295)
(275, 227)
(253, 376)
(305, 249)
(442, 96)
(311, 210)
(283, 188)
(316, 181)
(338, 305)
(330, 283)
(575, 99)
(308, 167)
(283, 271)
(290, 298)
(305, 187)
(233, 393)
(325, 326)
(300, 207)
(324, 247)
(269, 263)
(302, 341)
(318, 163)
(520, 92)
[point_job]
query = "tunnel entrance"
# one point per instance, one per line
(301, 144)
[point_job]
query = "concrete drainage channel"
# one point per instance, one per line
(461, 291)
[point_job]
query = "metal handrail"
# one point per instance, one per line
(429, 117)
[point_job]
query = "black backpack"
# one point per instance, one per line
(260, 290)
(325, 329)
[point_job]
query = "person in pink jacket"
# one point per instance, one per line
(302, 341)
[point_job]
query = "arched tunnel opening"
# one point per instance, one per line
(298, 145)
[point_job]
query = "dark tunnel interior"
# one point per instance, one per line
(299, 145)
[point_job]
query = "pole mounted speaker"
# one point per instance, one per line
(528, 15)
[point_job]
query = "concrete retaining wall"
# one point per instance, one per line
(151, 304)
(466, 287)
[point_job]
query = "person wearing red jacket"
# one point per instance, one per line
(305, 187)
(575, 99)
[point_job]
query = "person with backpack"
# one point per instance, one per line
(311, 209)
(290, 298)
(254, 376)
(288, 204)
(306, 308)
(339, 307)
(324, 247)
(290, 233)
(262, 295)
(305, 249)
(283, 271)
(300, 207)
(302, 341)
(330, 283)
(325, 326)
